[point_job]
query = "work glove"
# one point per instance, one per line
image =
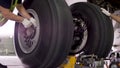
(26, 23)
(33, 21)
(105, 12)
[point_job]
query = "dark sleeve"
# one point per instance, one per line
(19, 1)
(5, 3)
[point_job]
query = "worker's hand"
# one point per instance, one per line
(26, 23)
(105, 12)
(33, 21)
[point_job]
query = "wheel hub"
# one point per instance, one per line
(29, 35)
(80, 35)
(28, 38)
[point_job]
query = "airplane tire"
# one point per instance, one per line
(51, 41)
(98, 27)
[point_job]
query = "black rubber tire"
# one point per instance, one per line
(109, 34)
(56, 31)
(99, 26)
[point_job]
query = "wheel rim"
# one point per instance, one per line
(80, 34)
(28, 38)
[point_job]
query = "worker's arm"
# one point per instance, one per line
(9, 15)
(113, 16)
(6, 13)
(23, 11)
(25, 14)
